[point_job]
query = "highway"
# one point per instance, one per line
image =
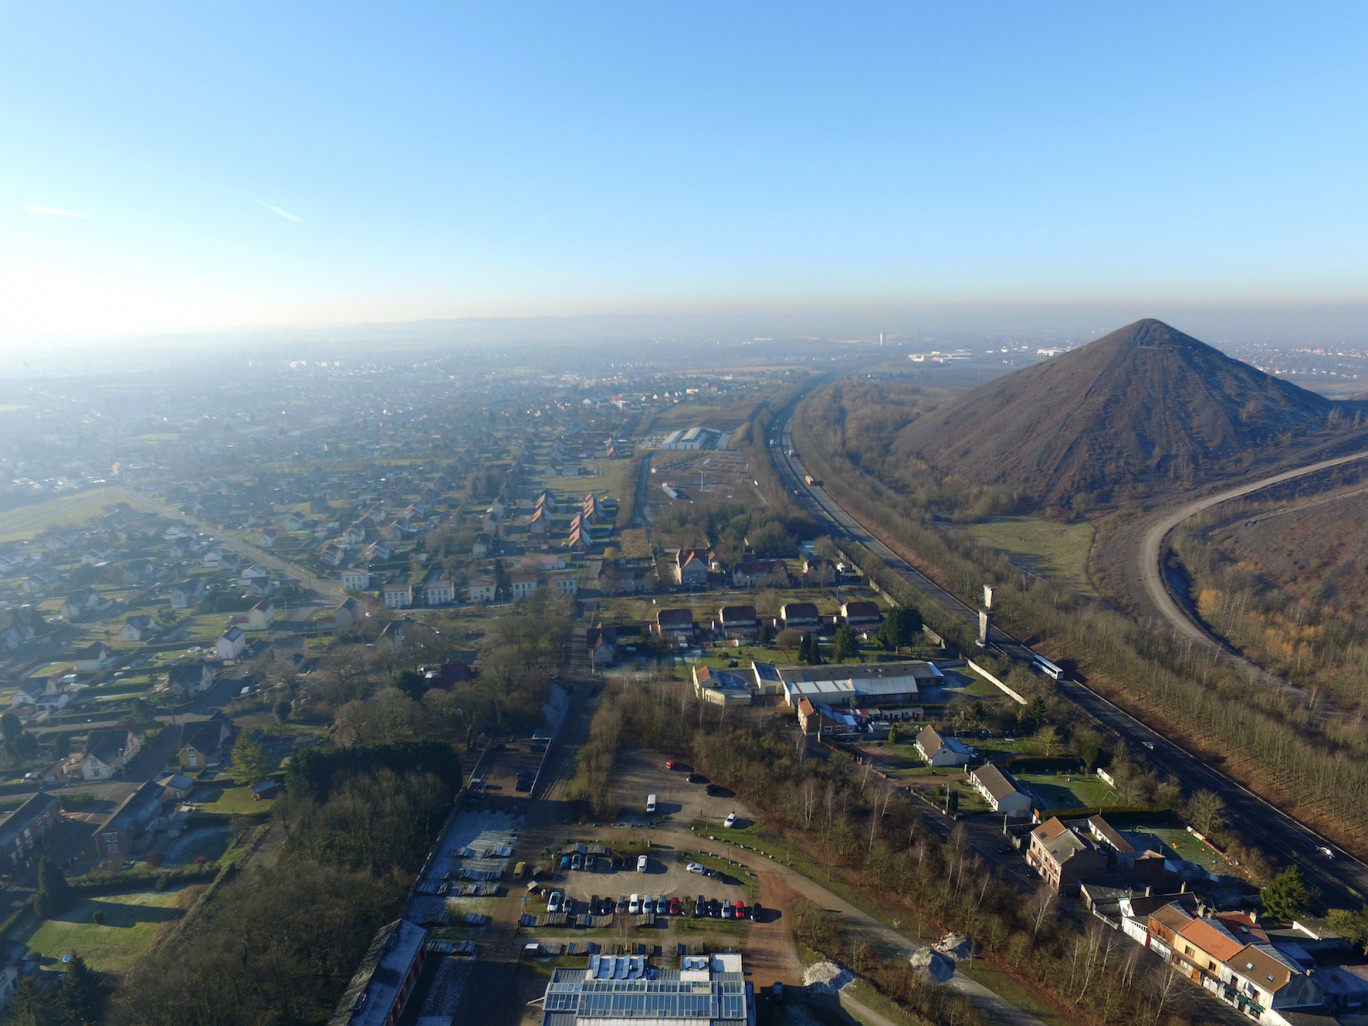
(1340, 879)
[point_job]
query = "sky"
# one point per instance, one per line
(172, 167)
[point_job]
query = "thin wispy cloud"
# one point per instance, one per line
(33, 208)
(276, 210)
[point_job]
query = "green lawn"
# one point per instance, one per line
(131, 921)
(1053, 550)
(229, 800)
(28, 522)
(1072, 792)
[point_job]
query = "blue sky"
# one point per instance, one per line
(242, 164)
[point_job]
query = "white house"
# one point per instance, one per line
(397, 596)
(355, 579)
(231, 645)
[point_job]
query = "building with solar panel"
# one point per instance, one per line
(623, 990)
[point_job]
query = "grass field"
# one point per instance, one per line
(29, 521)
(131, 922)
(1056, 551)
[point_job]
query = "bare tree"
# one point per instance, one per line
(1042, 907)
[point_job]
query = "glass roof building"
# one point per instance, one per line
(623, 990)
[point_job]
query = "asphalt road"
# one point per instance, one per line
(1341, 880)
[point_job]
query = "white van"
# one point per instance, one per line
(650, 803)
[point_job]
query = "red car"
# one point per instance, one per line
(674, 906)
(739, 911)
(670, 764)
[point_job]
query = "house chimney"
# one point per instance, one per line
(1254, 918)
(1183, 888)
(1148, 889)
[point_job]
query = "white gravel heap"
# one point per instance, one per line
(955, 947)
(826, 978)
(933, 963)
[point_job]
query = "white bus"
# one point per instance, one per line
(1046, 667)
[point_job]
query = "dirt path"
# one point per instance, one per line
(771, 954)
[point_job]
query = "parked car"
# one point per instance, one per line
(555, 901)
(695, 867)
(726, 908)
(589, 863)
(715, 909)
(622, 903)
(730, 821)
(576, 862)
(642, 861)
(739, 911)
(674, 906)
(697, 778)
(634, 904)
(670, 764)
(662, 906)
(700, 907)
(755, 912)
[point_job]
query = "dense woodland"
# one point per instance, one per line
(1313, 767)
(278, 941)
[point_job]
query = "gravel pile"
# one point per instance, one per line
(933, 963)
(955, 947)
(826, 978)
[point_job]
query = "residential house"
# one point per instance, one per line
(294, 522)
(82, 604)
(675, 625)
(92, 657)
(41, 693)
(738, 622)
(186, 679)
(1063, 857)
(721, 687)
(346, 613)
(580, 539)
(268, 538)
(601, 644)
(760, 573)
(691, 568)
(261, 616)
(136, 628)
(200, 745)
(24, 829)
(1000, 790)
(132, 827)
(187, 593)
(176, 787)
(480, 548)
(397, 596)
(440, 593)
(861, 614)
(819, 573)
(355, 579)
(937, 750)
(232, 645)
(1264, 984)
(800, 615)
(566, 583)
(481, 589)
(818, 719)
(108, 751)
(767, 679)
(626, 580)
(522, 585)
